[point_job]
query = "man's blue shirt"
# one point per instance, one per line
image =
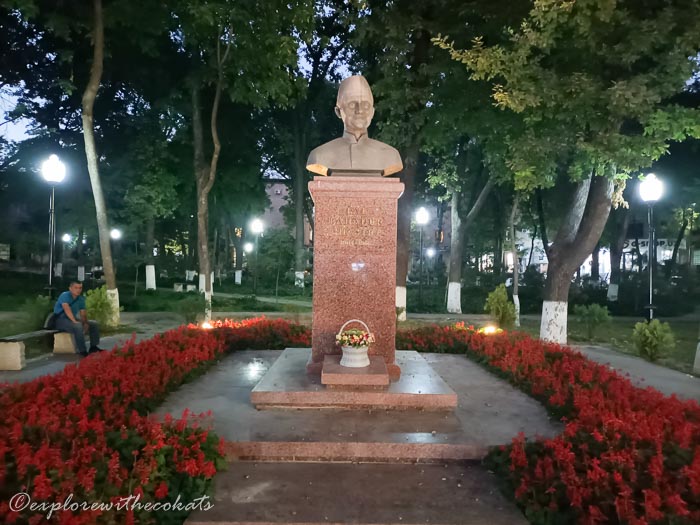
(66, 297)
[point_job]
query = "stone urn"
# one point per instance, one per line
(354, 356)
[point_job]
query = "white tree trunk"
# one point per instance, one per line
(81, 273)
(202, 283)
(150, 277)
(516, 301)
(401, 303)
(454, 298)
(239, 277)
(696, 364)
(554, 318)
(299, 279)
(113, 296)
(207, 305)
(613, 290)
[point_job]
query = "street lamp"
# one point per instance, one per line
(53, 171)
(257, 227)
(650, 190)
(66, 238)
(115, 234)
(422, 217)
(248, 247)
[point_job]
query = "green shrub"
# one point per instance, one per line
(99, 307)
(500, 308)
(592, 316)
(653, 339)
(35, 311)
(191, 307)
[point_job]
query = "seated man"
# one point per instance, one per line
(71, 306)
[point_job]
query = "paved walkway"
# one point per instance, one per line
(145, 325)
(644, 373)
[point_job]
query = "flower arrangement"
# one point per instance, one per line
(354, 337)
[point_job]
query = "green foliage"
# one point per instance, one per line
(35, 311)
(99, 307)
(653, 340)
(592, 316)
(191, 307)
(500, 308)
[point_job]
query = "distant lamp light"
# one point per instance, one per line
(430, 252)
(257, 226)
(66, 237)
(53, 170)
(206, 325)
(248, 247)
(651, 188)
(422, 216)
(490, 330)
(115, 234)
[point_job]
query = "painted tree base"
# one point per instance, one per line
(299, 279)
(554, 319)
(150, 277)
(454, 298)
(113, 296)
(516, 302)
(400, 303)
(613, 291)
(239, 277)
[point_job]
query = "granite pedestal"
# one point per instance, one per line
(354, 263)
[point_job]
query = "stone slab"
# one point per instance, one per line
(286, 385)
(354, 252)
(12, 355)
(490, 412)
(335, 375)
(63, 343)
(308, 493)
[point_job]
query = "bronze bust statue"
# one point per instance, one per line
(355, 153)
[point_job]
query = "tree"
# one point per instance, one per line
(238, 49)
(592, 82)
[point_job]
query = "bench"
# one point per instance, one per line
(12, 350)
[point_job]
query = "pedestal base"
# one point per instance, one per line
(286, 386)
(334, 375)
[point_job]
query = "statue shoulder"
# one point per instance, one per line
(391, 158)
(322, 157)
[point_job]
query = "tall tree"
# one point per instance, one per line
(593, 83)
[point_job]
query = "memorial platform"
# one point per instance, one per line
(287, 385)
(374, 376)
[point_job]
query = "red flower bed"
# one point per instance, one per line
(627, 455)
(85, 431)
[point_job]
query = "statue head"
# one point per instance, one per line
(355, 104)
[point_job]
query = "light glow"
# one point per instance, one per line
(422, 216)
(651, 188)
(53, 170)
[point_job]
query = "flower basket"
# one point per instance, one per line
(355, 344)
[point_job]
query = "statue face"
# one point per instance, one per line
(356, 110)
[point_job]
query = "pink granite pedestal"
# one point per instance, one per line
(334, 375)
(354, 263)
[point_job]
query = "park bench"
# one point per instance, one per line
(12, 354)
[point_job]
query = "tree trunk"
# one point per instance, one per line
(679, 239)
(532, 246)
(620, 225)
(206, 174)
(595, 263)
(299, 197)
(578, 234)
(88, 104)
(403, 245)
(516, 260)
(150, 260)
(454, 279)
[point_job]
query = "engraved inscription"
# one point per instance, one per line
(355, 226)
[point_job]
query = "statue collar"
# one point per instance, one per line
(351, 138)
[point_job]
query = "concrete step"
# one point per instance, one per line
(313, 493)
(353, 451)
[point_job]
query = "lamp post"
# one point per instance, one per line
(257, 227)
(53, 171)
(650, 190)
(422, 217)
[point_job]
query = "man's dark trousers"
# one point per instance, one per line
(63, 324)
